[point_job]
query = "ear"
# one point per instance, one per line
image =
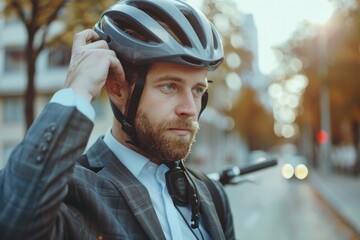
(118, 91)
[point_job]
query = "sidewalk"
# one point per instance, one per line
(342, 192)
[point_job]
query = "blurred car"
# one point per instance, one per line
(295, 167)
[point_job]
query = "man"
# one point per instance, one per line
(152, 57)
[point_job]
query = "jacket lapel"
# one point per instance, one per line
(134, 193)
(208, 211)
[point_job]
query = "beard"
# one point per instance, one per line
(166, 148)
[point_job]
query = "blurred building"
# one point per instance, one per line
(256, 79)
(51, 73)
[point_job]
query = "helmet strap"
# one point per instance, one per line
(128, 123)
(204, 101)
(136, 95)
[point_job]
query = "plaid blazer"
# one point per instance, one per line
(45, 194)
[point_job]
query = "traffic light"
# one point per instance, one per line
(322, 137)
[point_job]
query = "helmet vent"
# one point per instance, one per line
(169, 24)
(215, 63)
(172, 28)
(196, 26)
(216, 44)
(192, 61)
(135, 30)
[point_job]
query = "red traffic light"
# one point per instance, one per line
(322, 137)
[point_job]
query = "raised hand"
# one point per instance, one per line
(90, 65)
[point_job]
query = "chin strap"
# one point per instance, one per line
(128, 123)
(126, 126)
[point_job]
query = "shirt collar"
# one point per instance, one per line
(131, 159)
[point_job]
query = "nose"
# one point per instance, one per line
(187, 106)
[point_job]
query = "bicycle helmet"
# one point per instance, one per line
(142, 32)
(188, 38)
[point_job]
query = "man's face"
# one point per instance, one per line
(166, 121)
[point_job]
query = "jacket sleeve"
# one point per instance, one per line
(34, 181)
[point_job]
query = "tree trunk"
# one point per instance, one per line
(30, 89)
(356, 136)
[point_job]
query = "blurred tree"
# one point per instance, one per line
(228, 21)
(254, 123)
(340, 46)
(79, 15)
(38, 16)
(237, 60)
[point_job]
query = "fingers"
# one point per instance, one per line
(84, 37)
(101, 44)
(88, 40)
(90, 63)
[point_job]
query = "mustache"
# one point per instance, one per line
(187, 124)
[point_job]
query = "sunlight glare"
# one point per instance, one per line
(276, 20)
(233, 81)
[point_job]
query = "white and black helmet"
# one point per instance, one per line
(134, 31)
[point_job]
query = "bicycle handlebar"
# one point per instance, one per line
(228, 174)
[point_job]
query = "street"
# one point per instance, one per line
(275, 208)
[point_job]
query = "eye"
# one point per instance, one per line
(168, 87)
(198, 91)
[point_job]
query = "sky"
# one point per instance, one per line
(276, 20)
